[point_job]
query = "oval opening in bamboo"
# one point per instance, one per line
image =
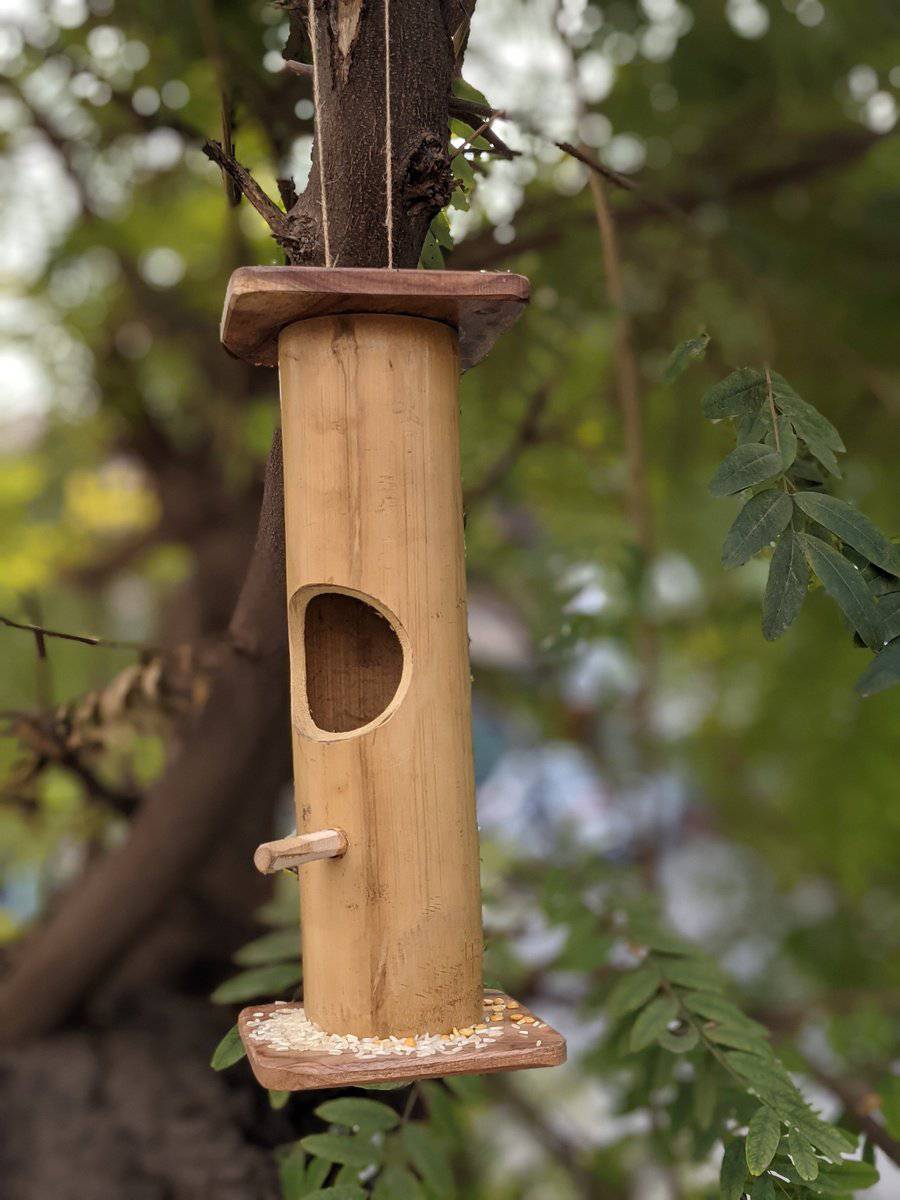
(352, 661)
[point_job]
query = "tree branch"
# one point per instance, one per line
(526, 434)
(215, 772)
(829, 153)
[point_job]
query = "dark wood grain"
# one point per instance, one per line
(354, 662)
(292, 1071)
(261, 301)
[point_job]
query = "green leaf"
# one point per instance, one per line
(396, 1183)
(317, 1171)
(652, 1021)
(843, 582)
(338, 1148)
(846, 1178)
(808, 471)
(803, 1155)
(890, 1104)
(787, 441)
(808, 421)
(431, 258)
(819, 434)
(259, 981)
(692, 973)
(428, 1155)
(716, 1008)
(762, 1188)
(756, 427)
(343, 1192)
(771, 1083)
(759, 522)
(739, 395)
(763, 1137)
(887, 609)
(681, 1042)
(733, 1174)
(746, 466)
(786, 587)
(739, 1039)
(705, 1092)
(851, 527)
(645, 932)
(291, 1174)
(881, 673)
(357, 1112)
(691, 350)
(465, 91)
(229, 1051)
(633, 990)
(440, 227)
(278, 1099)
(278, 946)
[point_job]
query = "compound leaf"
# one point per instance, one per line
(747, 465)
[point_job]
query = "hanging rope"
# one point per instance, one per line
(313, 40)
(388, 144)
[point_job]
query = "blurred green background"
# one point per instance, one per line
(629, 718)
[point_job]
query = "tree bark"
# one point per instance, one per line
(133, 1112)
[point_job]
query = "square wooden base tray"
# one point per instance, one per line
(303, 1070)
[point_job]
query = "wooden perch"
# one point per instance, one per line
(291, 852)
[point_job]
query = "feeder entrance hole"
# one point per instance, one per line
(354, 661)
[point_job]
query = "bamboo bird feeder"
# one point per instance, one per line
(386, 848)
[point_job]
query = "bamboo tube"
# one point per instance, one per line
(391, 931)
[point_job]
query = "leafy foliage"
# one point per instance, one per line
(674, 1003)
(783, 441)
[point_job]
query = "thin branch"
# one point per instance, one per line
(627, 383)
(857, 1100)
(298, 68)
(628, 389)
(472, 113)
(599, 168)
(526, 434)
(292, 230)
(40, 632)
(477, 133)
(831, 152)
(261, 201)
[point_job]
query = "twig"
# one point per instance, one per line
(857, 1099)
(40, 632)
(292, 231)
(298, 68)
(628, 388)
(264, 205)
(771, 398)
(830, 152)
(527, 433)
(599, 168)
(477, 133)
(471, 112)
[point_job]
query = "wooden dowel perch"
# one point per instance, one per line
(291, 852)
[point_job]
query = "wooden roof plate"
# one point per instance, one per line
(261, 301)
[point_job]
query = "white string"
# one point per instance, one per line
(313, 39)
(388, 146)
